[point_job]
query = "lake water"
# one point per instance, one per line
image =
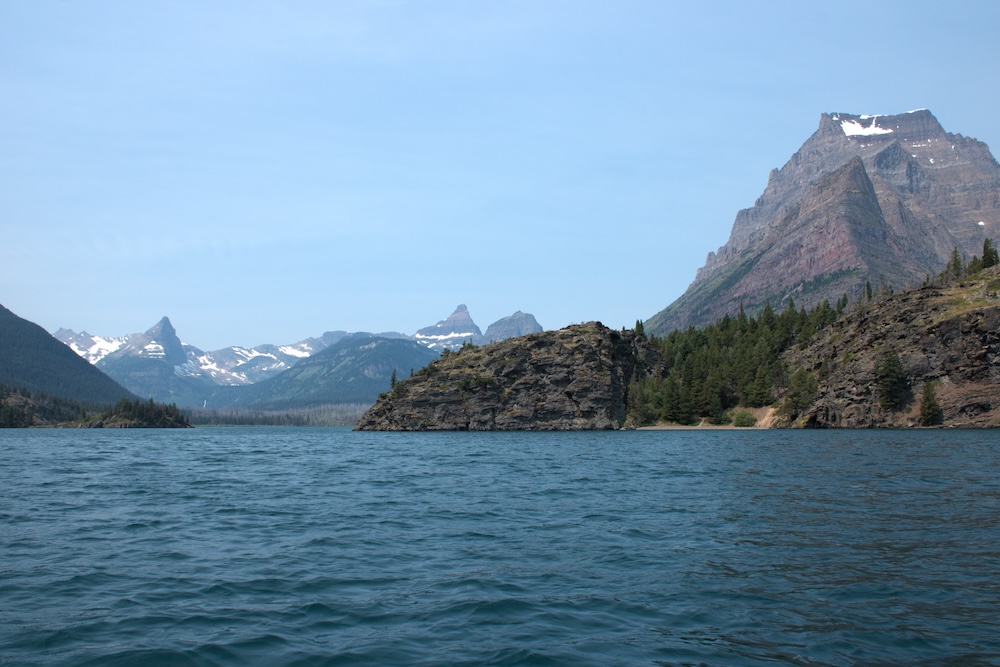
(325, 546)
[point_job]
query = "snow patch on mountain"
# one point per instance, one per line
(301, 350)
(853, 128)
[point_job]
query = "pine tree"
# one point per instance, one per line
(955, 264)
(761, 393)
(990, 256)
(890, 376)
(930, 411)
(801, 393)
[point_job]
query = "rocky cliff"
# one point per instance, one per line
(576, 378)
(948, 335)
(883, 199)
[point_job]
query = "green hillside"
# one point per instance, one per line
(31, 358)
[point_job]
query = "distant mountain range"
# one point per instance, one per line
(155, 363)
(458, 328)
(882, 200)
(355, 369)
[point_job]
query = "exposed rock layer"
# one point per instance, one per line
(576, 378)
(948, 335)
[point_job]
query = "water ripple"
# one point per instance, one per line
(327, 547)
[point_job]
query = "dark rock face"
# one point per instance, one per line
(948, 335)
(576, 378)
(512, 326)
(883, 199)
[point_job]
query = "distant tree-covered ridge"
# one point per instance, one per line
(22, 408)
(128, 413)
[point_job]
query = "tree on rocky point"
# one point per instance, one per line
(930, 411)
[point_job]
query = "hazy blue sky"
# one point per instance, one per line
(266, 171)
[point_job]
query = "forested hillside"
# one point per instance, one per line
(705, 372)
(31, 358)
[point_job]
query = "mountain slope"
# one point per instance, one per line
(879, 199)
(356, 369)
(945, 334)
(30, 357)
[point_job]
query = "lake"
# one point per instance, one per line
(218, 546)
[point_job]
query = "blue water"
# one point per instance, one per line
(325, 546)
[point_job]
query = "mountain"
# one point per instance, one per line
(451, 332)
(576, 378)
(228, 366)
(512, 326)
(866, 199)
(355, 369)
(157, 364)
(458, 329)
(154, 364)
(92, 348)
(31, 358)
(943, 334)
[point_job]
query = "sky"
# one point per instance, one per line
(262, 172)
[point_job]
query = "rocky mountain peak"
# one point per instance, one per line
(453, 330)
(512, 326)
(867, 198)
(162, 329)
(160, 341)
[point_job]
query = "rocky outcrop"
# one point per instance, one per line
(949, 335)
(882, 199)
(576, 378)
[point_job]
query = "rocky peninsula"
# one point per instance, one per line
(575, 378)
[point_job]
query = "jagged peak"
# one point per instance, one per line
(162, 327)
(459, 321)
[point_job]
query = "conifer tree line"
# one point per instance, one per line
(20, 408)
(148, 413)
(735, 362)
(333, 414)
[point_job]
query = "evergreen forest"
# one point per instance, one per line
(706, 373)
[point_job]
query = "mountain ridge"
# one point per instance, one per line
(157, 363)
